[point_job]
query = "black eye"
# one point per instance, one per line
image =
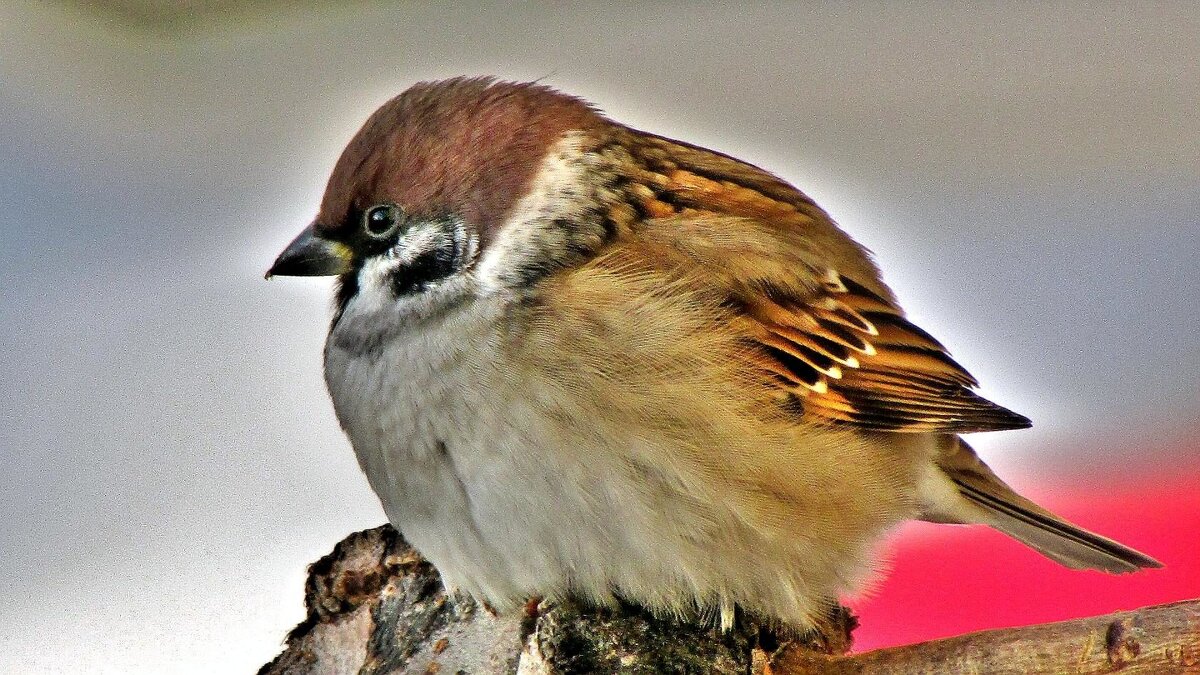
(382, 221)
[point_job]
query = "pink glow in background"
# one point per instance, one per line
(951, 580)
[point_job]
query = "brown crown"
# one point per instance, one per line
(466, 146)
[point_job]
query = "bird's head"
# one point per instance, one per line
(440, 177)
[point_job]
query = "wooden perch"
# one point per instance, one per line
(1154, 640)
(376, 607)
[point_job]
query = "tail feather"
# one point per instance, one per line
(1056, 538)
(998, 505)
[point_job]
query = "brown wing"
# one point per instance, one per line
(840, 350)
(848, 355)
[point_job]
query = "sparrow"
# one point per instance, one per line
(577, 358)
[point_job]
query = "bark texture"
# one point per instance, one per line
(376, 607)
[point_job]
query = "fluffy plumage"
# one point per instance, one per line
(640, 367)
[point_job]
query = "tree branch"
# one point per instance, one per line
(375, 606)
(1155, 640)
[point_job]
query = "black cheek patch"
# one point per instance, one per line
(347, 288)
(429, 267)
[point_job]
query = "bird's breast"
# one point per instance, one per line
(530, 458)
(461, 454)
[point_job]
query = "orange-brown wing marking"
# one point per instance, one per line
(849, 356)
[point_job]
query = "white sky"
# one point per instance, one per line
(1028, 175)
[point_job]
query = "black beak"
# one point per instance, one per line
(311, 256)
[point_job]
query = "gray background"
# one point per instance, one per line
(1029, 175)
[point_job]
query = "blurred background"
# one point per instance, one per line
(1028, 174)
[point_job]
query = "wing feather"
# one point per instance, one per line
(847, 355)
(819, 323)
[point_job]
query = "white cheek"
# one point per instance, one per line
(375, 277)
(377, 307)
(416, 242)
(374, 283)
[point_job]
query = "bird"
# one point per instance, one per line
(576, 358)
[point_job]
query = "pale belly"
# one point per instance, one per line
(506, 500)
